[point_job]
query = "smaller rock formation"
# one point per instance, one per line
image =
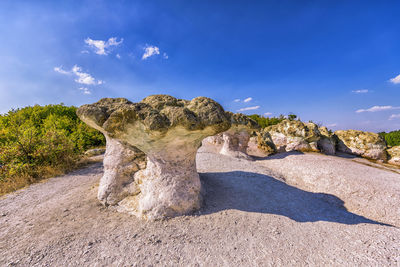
(394, 155)
(365, 144)
(236, 139)
(234, 142)
(253, 147)
(265, 143)
(290, 135)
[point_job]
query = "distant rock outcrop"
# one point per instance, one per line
(168, 131)
(290, 135)
(365, 144)
(394, 155)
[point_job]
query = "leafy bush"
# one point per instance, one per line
(392, 138)
(266, 121)
(41, 141)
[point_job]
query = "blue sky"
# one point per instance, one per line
(333, 62)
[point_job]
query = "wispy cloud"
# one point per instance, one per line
(394, 116)
(149, 51)
(377, 108)
(81, 77)
(236, 100)
(249, 108)
(101, 47)
(395, 80)
(118, 56)
(332, 125)
(85, 90)
(165, 55)
(248, 99)
(267, 113)
(362, 91)
(60, 70)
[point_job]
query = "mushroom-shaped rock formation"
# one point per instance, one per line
(394, 154)
(168, 131)
(234, 142)
(365, 144)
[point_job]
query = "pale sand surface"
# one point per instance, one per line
(251, 217)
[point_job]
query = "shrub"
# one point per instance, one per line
(392, 138)
(266, 121)
(41, 141)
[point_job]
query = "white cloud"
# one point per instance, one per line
(249, 108)
(267, 113)
(236, 100)
(248, 99)
(332, 125)
(82, 77)
(118, 56)
(85, 52)
(362, 91)
(85, 90)
(394, 116)
(395, 80)
(60, 70)
(101, 47)
(377, 108)
(165, 56)
(150, 50)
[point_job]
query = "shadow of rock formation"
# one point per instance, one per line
(252, 192)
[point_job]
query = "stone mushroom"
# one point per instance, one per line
(168, 131)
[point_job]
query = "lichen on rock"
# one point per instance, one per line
(365, 144)
(168, 131)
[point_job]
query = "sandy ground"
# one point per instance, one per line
(261, 213)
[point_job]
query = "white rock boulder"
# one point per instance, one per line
(365, 144)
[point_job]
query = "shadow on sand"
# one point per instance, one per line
(280, 155)
(253, 192)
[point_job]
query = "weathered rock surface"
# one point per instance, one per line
(290, 135)
(394, 155)
(365, 144)
(121, 162)
(169, 131)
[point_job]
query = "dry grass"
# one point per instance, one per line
(16, 182)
